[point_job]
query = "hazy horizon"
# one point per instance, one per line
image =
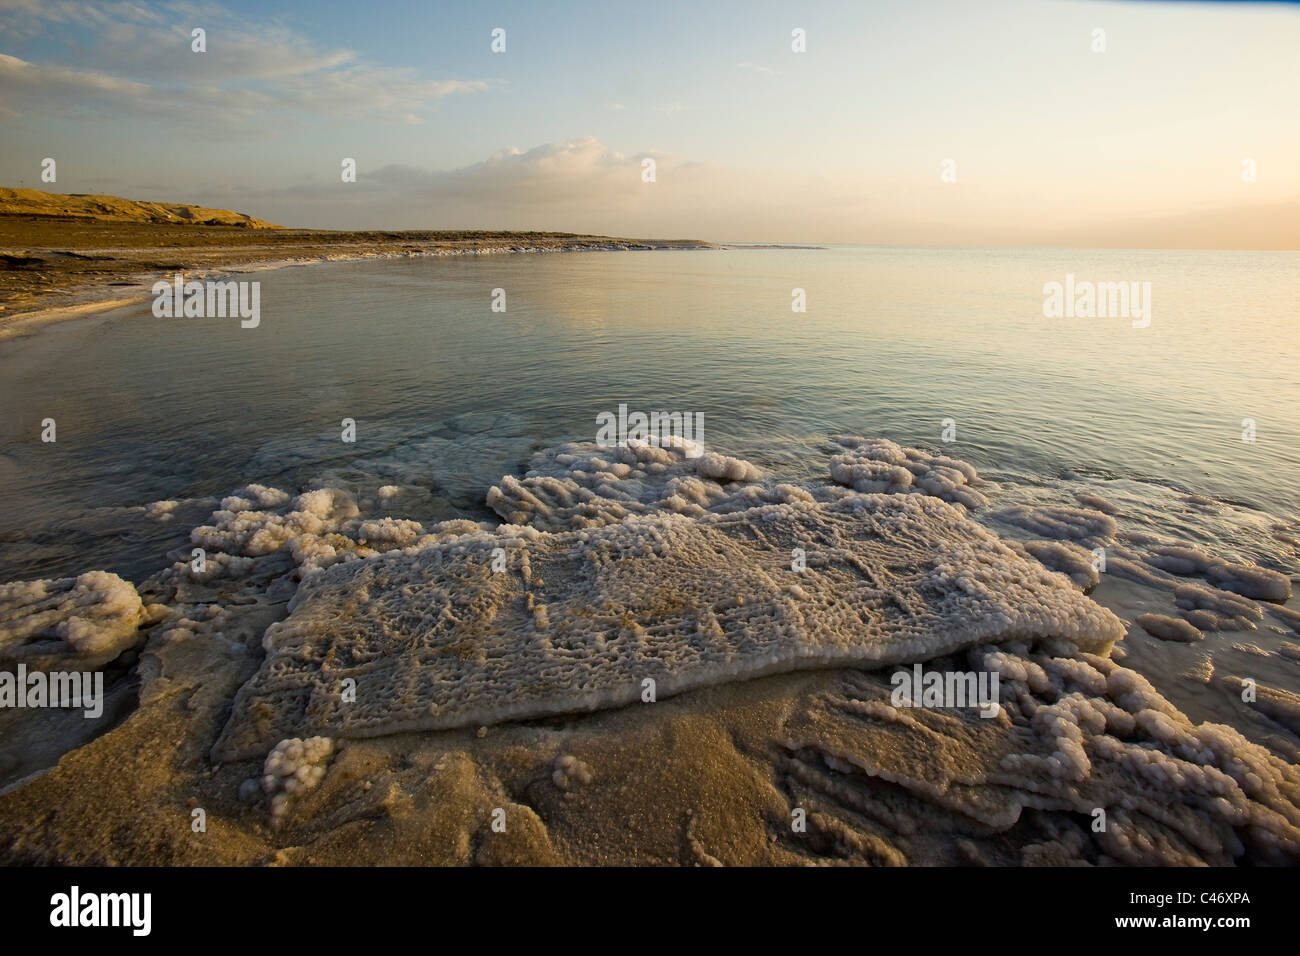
(1052, 141)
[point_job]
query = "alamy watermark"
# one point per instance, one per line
(208, 300)
(53, 689)
(919, 688)
(656, 428)
(1098, 300)
(133, 911)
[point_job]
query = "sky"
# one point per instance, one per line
(1045, 140)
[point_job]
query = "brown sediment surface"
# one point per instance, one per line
(61, 256)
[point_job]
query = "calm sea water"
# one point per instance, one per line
(893, 342)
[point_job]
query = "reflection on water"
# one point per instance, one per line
(893, 342)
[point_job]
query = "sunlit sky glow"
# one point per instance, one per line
(1141, 145)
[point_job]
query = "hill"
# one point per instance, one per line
(34, 202)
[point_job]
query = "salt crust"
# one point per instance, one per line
(435, 638)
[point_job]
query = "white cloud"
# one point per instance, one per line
(140, 63)
(582, 185)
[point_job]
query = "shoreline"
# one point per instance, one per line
(132, 269)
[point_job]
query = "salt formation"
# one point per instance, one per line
(1246, 647)
(879, 465)
(1080, 734)
(1224, 610)
(1244, 579)
(1252, 582)
(161, 510)
(1169, 628)
(1075, 562)
(1287, 616)
(570, 772)
(1280, 705)
(316, 530)
(1096, 503)
(87, 620)
(294, 768)
(435, 638)
(1072, 524)
(580, 485)
(1156, 563)
(1201, 670)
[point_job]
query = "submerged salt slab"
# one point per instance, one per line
(579, 619)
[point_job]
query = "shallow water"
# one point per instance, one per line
(893, 342)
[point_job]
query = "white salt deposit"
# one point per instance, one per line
(636, 563)
(1246, 580)
(1075, 562)
(316, 529)
(1234, 612)
(1169, 628)
(879, 465)
(93, 616)
(161, 510)
(580, 485)
(1275, 703)
(292, 769)
(1252, 582)
(1096, 503)
(434, 638)
(1080, 733)
(1060, 523)
(570, 772)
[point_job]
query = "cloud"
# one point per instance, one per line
(755, 68)
(139, 62)
(582, 185)
(577, 185)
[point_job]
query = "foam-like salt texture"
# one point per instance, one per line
(1073, 561)
(92, 617)
(1072, 524)
(580, 485)
(318, 528)
(880, 465)
(434, 638)
(1076, 733)
(1169, 628)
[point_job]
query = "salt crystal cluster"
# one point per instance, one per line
(1169, 628)
(580, 485)
(879, 465)
(570, 772)
(1082, 739)
(316, 529)
(94, 615)
(294, 767)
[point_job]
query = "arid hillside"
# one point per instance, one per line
(34, 202)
